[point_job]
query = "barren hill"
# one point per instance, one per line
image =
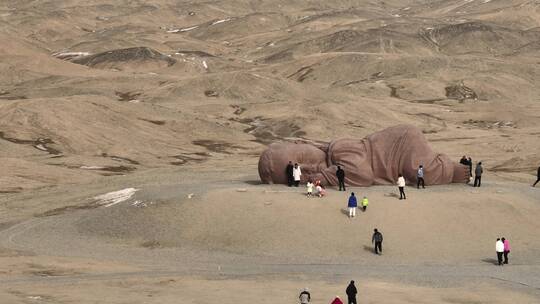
(242, 73)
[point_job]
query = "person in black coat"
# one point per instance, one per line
(466, 162)
(537, 177)
(478, 175)
(340, 174)
(377, 239)
(289, 173)
(351, 293)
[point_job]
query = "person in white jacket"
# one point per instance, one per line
(401, 186)
(309, 186)
(297, 173)
(499, 248)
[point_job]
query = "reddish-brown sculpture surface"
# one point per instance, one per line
(374, 160)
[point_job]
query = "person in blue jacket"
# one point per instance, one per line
(352, 205)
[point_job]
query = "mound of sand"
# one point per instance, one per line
(136, 58)
(286, 225)
(477, 37)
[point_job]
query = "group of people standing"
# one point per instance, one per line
(502, 247)
(351, 291)
(478, 171)
(293, 173)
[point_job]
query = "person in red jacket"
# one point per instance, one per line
(337, 300)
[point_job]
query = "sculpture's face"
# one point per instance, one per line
(274, 160)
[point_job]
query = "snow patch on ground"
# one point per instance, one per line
(40, 147)
(70, 55)
(141, 204)
(92, 167)
(113, 198)
(182, 29)
(221, 21)
(188, 28)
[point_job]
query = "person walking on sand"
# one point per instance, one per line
(478, 175)
(297, 173)
(340, 174)
(420, 177)
(352, 204)
(537, 177)
(309, 186)
(401, 186)
(305, 296)
(336, 300)
(377, 239)
(506, 250)
(499, 248)
(365, 203)
(289, 172)
(351, 293)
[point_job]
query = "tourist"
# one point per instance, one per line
(506, 249)
(401, 186)
(289, 172)
(467, 162)
(340, 174)
(297, 173)
(478, 175)
(464, 161)
(420, 177)
(377, 239)
(309, 186)
(305, 296)
(365, 203)
(351, 293)
(499, 248)
(352, 205)
(320, 189)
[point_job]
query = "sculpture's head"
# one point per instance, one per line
(274, 160)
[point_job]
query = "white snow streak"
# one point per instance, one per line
(113, 198)
(188, 28)
(182, 30)
(221, 21)
(92, 167)
(70, 55)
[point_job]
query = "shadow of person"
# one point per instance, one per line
(391, 194)
(345, 211)
(491, 261)
(369, 249)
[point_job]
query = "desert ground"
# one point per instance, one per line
(130, 133)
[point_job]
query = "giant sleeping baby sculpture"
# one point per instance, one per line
(374, 160)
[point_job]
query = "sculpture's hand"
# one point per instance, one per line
(461, 173)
